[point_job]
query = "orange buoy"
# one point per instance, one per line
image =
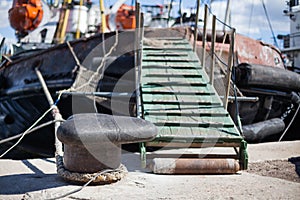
(123, 19)
(25, 15)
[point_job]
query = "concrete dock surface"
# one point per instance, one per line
(37, 179)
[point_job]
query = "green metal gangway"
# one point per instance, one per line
(178, 99)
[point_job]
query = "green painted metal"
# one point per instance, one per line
(178, 99)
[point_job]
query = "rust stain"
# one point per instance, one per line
(250, 51)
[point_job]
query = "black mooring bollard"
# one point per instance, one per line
(92, 142)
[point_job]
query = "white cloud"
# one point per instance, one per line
(5, 29)
(4, 7)
(5, 3)
(248, 17)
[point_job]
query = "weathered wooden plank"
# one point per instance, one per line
(170, 44)
(177, 92)
(170, 48)
(174, 74)
(197, 131)
(175, 81)
(179, 80)
(169, 38)
(181, 98)
(204, 111)
(189, 119)
(206, 89)
(173, 64)
(165, 72)
(172, 83)
(169, 54)
(203, 124)
(172, 107)
(196, 113)
(181, 102)
(170, 59)
(182, 67)
(160, 54)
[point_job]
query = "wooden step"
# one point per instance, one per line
(185, 90)
(193, 124)
(159, 54)
(186, 75)
(175, 64)
(169, 59)
(168, 48)
(177, 92)
(167, 38)
(166, 102)
(206, 132)
(185, 67)
(181, 98)
(198, 113)
(182, 72)
(175, 107)
(174, 83)
(188, 119)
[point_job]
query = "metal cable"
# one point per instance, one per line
(291, 122)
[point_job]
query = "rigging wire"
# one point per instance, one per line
(269, 22)
(250, 18)
(180, 12)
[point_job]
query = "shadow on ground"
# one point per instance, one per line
(23, 183)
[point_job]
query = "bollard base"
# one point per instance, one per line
(91, 159)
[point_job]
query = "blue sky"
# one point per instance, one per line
(247, 16)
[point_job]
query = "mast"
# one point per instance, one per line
(103, 19)
(78, 23)
(269, 22)
(227, 13)
(63, 21)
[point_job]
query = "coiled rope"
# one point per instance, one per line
(102, 177)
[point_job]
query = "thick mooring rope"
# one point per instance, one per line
(102, 177)
(105, 176)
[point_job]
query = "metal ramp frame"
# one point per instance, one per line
(176, 96)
